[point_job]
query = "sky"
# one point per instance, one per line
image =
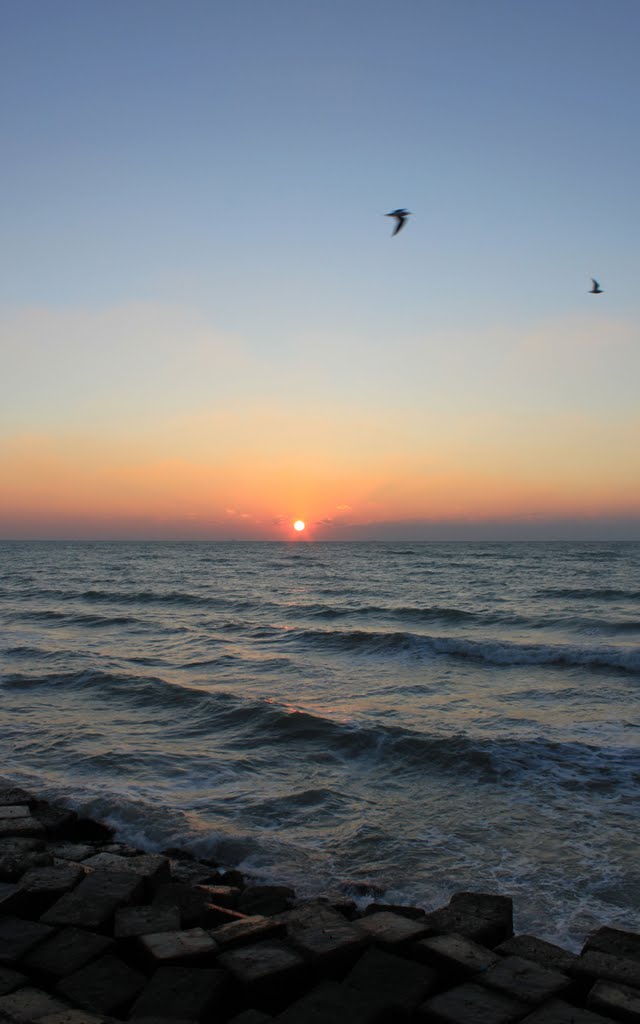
(207, 330)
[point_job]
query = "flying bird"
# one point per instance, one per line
(596, 290)
(401, 216)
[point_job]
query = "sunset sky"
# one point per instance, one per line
(206, 328)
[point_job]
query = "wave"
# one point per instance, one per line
(77, 618)
(493, 652)
(591, 593)
(229, 726)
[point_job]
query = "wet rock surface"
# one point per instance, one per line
(93, 931)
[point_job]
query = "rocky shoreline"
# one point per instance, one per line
(93, 931)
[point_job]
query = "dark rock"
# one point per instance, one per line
(184, 992)
(621, 1002)
(133, 921)
(28, 1004)
(266, 899)
(193, 873)
(496, 910)
(192, 945)
(544, 953)
(85, 830)
(41, 886)
(450, 920)
(53, 817)
(15, 795)
(394, 983)
(525, 980)
(615, 942)
(107, 986)
(390, 930)
(472, 1004)
(65, 952)
(11, 898)
(10, 980)
(17, 937)
(22, 826)
(70, 851)
(234, 878)
(246, 930)
(331, 1003)
(251, 1017)
(455, 957)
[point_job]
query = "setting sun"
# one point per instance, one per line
(298, 525)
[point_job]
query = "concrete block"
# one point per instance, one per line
(29, 1005)
(251, 1017)
(12, 899)
(266, 899)
(324, 937)
(25, 826)
(621, 1002)
(525, 980)
(15, 795)
(152, 868)
(93, 903)
(558, 1012)
(490, 906)
(459, 921)
(246, 931)
(106, 985)
(54, 818)
(455, 957)
(11, 980)
(472, 1004)
(540, 952)
(413, 913)
(17, 937)
(595, 966)
(389, 930)
(270, 973)
(70, 851)
(332, 1003)
(186, 993)
(65, 952)
(615, 942)
(394, 983)
(132, 921)
(178, 947)
(18, 854)
(42, 886)
(72, 1016)
(14, 811)
(193, 901)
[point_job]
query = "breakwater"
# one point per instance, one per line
(93, 931)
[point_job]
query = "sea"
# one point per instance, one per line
(387, 721)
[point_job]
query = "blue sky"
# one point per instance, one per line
(234, 161)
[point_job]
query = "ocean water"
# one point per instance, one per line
(415, 718)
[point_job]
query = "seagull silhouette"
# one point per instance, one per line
(401, 216)
(596, 290)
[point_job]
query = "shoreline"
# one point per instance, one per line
(93, 930)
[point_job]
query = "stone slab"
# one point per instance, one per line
(621, 1002)
(15, 795)
(491, 906)
(28, 826)
(43, 885)
(18, 936)
(11, 980)
(184, 992)
(395, 908)
(193, 902)
(106, 985)
(11, 898)
(246, 931)
(558, 1012)
(389, 929)
(455, 956)
(394, 983)
(66, 952)
(332, 1003)
(176, 947)
(29, 1005)
(145, 920)
(472, 1004)
(615, 942)
(70, 851)
(547, 954)
(73, 1016)
(54, 818)
(525, 980)
(251, 1017)
(13, 812)
(452, 920)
